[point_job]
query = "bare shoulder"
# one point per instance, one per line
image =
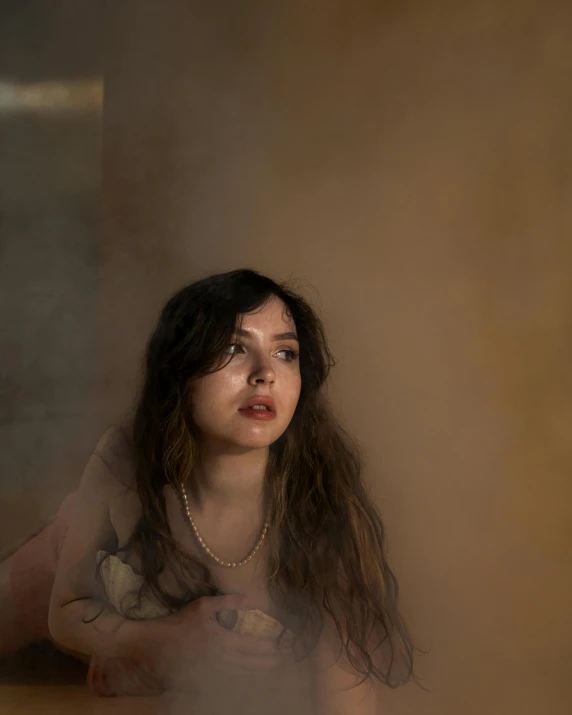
(116, 451)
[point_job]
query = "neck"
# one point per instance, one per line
(228, 482)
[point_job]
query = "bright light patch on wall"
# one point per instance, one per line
(51, 97)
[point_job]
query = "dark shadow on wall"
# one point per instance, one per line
(50, 120)
(42, 40)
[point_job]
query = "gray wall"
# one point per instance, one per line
(50, 181)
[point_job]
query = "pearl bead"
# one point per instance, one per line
(227, 564)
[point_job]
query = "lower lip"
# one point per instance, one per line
(258, 414)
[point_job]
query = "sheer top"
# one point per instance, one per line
(122, 585)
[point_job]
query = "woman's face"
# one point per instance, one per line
(262, 365)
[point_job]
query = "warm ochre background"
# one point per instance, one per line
(410, 164)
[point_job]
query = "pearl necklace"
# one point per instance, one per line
(220, 562)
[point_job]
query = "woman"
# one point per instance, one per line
(233, 477)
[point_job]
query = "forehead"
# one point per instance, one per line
(274, 313)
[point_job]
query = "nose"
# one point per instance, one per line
(262, 372)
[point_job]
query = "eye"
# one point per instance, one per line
(292, 354)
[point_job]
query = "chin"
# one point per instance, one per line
(257, 440)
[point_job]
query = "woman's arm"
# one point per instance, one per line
(76, 594)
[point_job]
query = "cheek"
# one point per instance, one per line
(202, 397)
(210, 396)
(294, 393)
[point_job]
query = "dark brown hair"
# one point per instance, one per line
(326, 543)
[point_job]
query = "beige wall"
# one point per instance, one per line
(412, 165)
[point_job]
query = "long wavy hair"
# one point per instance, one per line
(325, 542)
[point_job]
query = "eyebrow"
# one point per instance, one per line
(278, 336)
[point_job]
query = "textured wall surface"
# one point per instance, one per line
(50, 127)
(411, 162)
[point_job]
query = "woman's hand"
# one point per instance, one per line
(192, 645)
